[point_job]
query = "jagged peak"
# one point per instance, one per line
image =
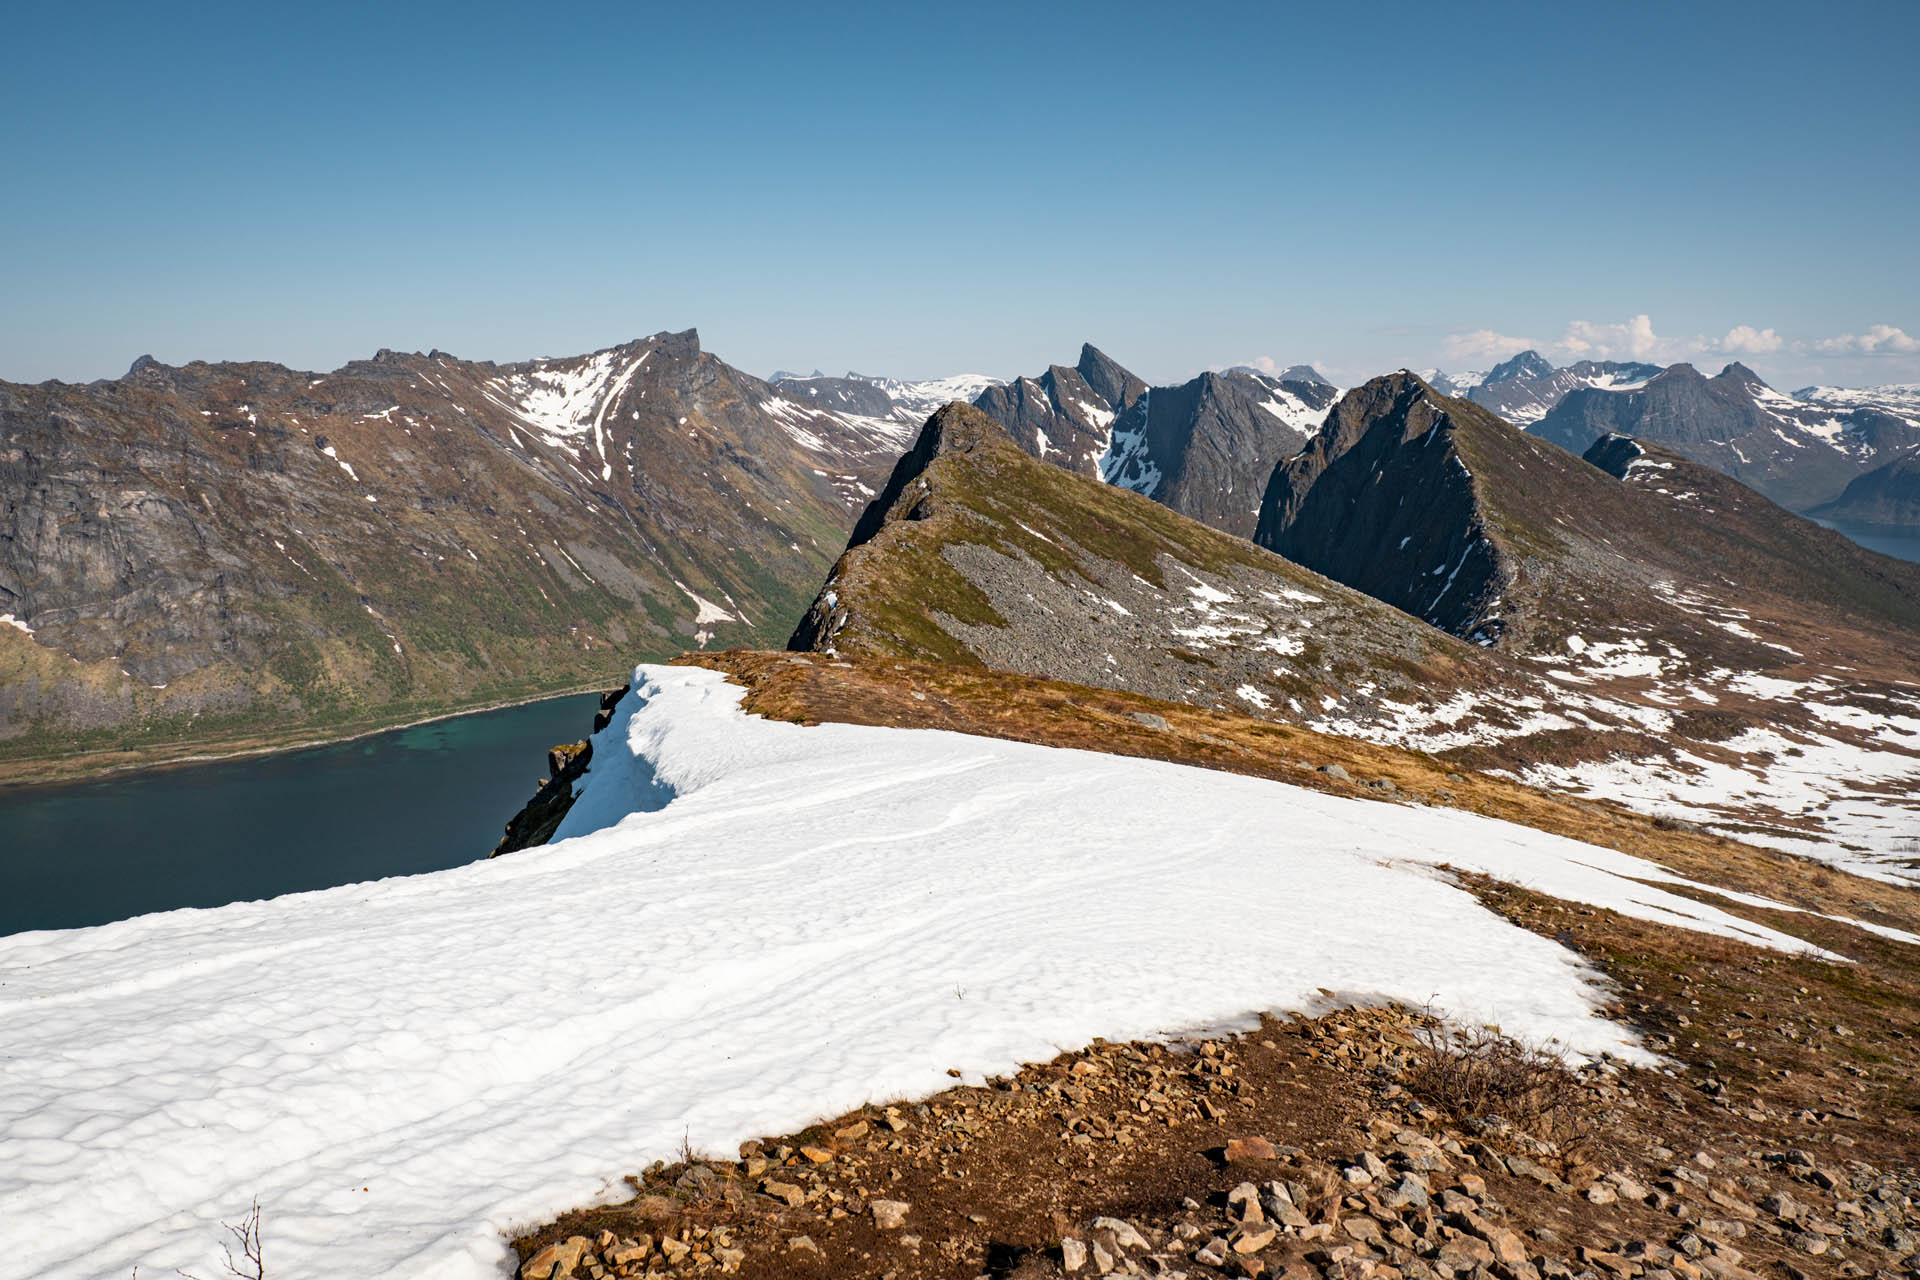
(143, 362)
(1108, 378)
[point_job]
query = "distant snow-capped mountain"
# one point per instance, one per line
(903, 400)
(1451, 384)
(1798, 451)
(1526, 388)
(1901, 398)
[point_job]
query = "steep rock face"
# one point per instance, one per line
(1887, 497)
(1798, 454)
(1204, 447)
(1404, 484)
(1381, 500)
(244, 551)
(978, 553)
(1065, 416)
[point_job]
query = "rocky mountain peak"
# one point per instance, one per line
(1303, 373)
(1528, 364)
(1108, 379)
(958, 428)
(1382, 500)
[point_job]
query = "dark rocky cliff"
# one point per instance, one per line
(1382, 500)
(1203, 448)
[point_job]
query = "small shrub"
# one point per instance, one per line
(1481, 1074)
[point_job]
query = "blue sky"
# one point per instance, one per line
(920, 190)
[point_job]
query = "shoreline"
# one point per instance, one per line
(85, 774)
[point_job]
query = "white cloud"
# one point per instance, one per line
(1744, 339)
(1879, 339)
(1265, 364)
(1481, 347)
(1634, 339)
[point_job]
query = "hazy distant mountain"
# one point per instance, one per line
(1887, 497)
(1798, 452)
(904, 401)
(1524, 389)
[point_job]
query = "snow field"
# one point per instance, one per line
(404, 1071)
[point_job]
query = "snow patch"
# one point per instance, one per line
(386, 1067)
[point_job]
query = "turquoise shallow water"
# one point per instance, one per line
(396, 803)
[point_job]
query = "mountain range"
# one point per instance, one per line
(1203, 447)
(234, 556)
(1633, 624)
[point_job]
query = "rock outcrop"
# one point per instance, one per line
(567, 763)
(1383, 500)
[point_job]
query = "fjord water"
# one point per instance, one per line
(396, 803)
(1888, 542)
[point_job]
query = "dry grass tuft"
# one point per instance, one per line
(1480, 1075)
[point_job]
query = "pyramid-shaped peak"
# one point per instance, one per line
(1528, 364)
(1303, 373)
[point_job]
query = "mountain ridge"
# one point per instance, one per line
(239, 553)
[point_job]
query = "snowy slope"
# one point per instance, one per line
(917, 401)
(1899, 398)
(403, 1071)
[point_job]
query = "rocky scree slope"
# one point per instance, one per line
(1800, 453)
(243, 553)
(1203, 448)
(977, 553)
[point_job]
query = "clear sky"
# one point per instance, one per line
(920, 190)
